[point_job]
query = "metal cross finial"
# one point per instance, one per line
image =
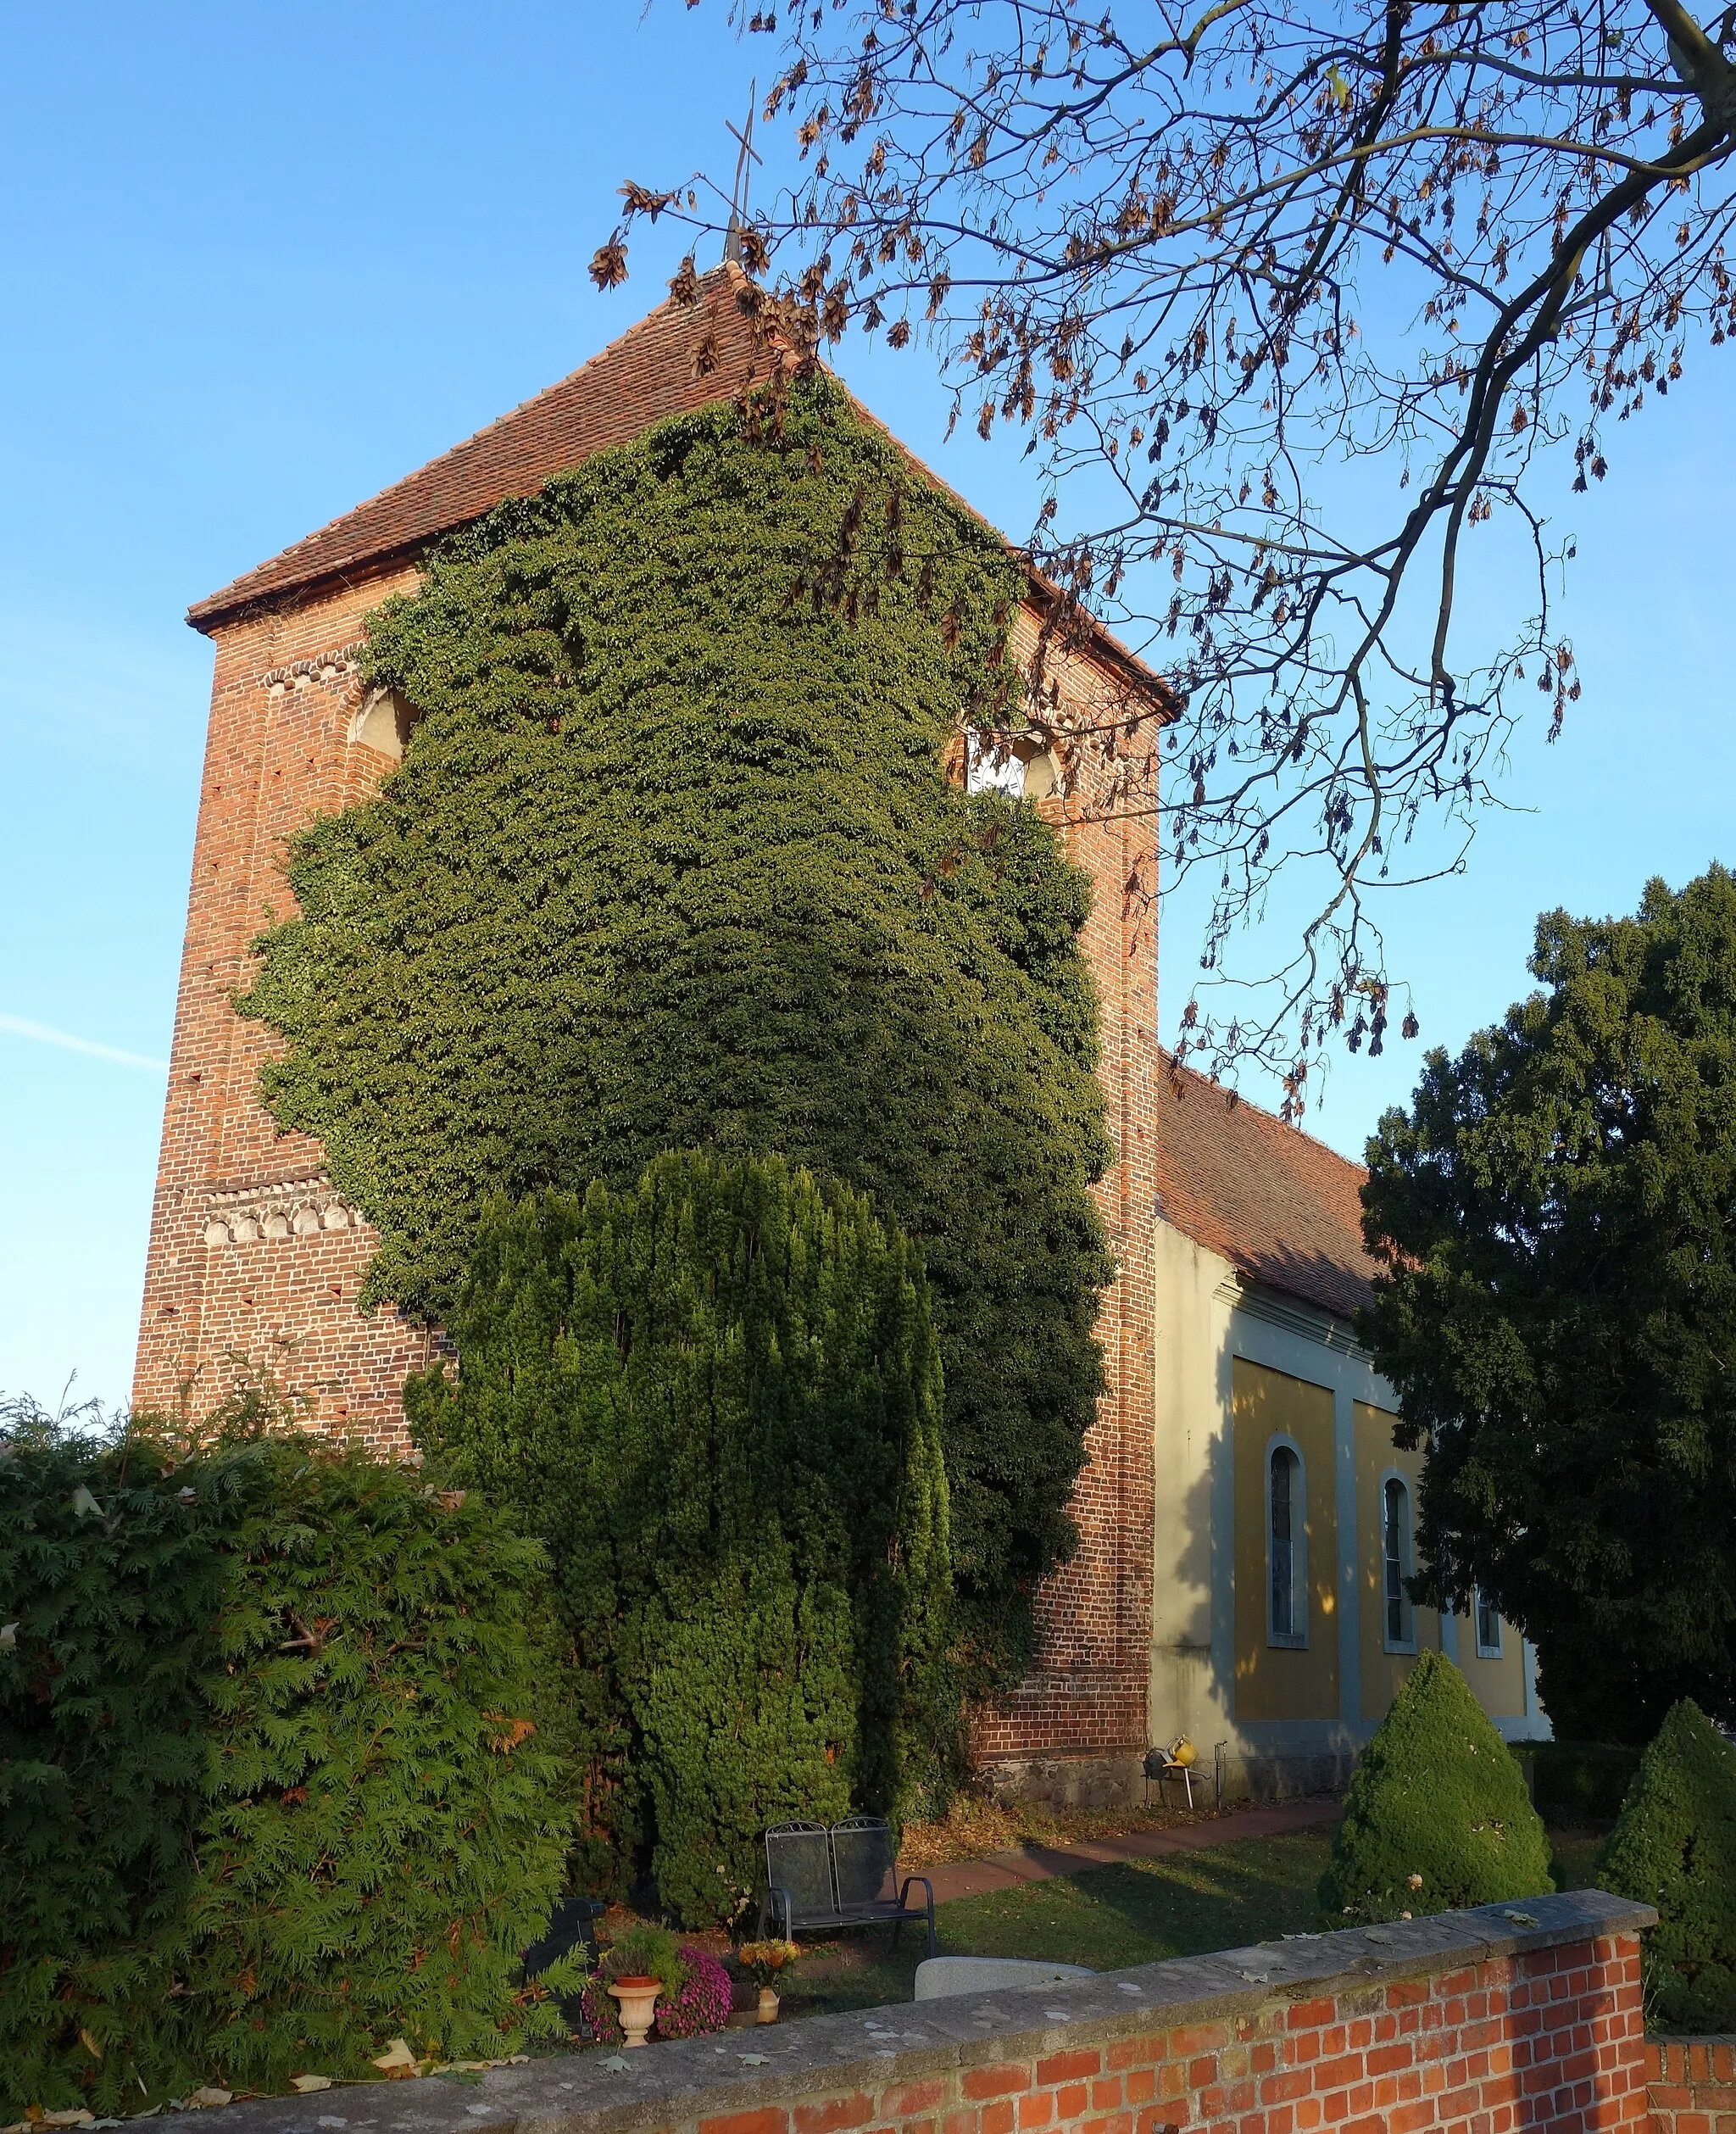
(738, 191)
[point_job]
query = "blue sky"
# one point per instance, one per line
(261, 262)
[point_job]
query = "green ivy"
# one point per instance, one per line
(670, 862)
(719, 1397)
(283, 1775)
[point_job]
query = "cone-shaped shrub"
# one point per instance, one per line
(1436, 1816)
(718, 1396)
(1675, 1846)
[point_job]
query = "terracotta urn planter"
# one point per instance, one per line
(637, 2000)
(768, 2004)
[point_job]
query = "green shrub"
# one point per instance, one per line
(1437, 1815)
(281, 1767)
(718, 1398)
(670, 862)
(1675, 1846)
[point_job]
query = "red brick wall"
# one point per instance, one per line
(1691, 2085)
(1550, 2039)
(219, 1288)
(1087, 1695)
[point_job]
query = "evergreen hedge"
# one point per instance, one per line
(718, 1398)
(280, 1771)
(1674, 1846)
(1437, 1815)
(670, 862)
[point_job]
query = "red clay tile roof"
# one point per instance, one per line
(1282, 1208)
(678, 359)
(654, 370)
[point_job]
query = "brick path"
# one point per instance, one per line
(1038, 1863)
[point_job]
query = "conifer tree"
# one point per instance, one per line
(719, 1397)
(1437, 1817)
(283, 1767)
(1674, 1847)
(1558, 1313)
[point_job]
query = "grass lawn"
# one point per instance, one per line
(1180, 1904)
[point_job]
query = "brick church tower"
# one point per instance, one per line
(256, 1260)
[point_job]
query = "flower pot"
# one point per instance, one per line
(768, 2004)
(637, 2001)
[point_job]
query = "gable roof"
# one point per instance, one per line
(655, 370)
(1282, 1208)
(678, 359)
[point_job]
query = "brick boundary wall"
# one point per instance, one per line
(1483, 2022)
(1691, 2085)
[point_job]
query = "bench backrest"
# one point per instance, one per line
(863, 1853)
(799, 1859)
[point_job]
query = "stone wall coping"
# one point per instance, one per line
(685, 2081)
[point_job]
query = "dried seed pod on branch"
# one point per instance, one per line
(1286, 298)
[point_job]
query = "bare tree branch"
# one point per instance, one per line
(1285, 299)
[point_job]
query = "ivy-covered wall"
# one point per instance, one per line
(671, 861)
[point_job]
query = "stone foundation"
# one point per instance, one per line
(1114, 1779)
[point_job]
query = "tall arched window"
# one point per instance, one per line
(1287, 1528)
(1489, 1627)
(1395, 1564)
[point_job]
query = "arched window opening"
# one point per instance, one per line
(1286, 1532)
(1017, 764)
(384, 723)
(1395, 1553)
(1488, 1628)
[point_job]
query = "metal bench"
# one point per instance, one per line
(818, 1878)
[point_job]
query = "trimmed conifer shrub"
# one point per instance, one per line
(282, 1768)
(671, 861)
(1674, 1847)
(718, 1396)
(1436, 1816)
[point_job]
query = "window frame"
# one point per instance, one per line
(1295, 1639)
(1407, 1562)
(1494, 1651)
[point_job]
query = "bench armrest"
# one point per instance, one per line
(910, 1882)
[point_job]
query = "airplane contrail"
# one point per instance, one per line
(20, 1028)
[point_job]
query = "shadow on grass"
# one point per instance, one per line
(1179, 1904)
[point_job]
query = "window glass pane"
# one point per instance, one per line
(1396, 1551)
(1282, 1549)
(1488, 1628)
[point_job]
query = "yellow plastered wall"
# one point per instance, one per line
(1276, 1682)
(1383, 1673)
(1498, 1686)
